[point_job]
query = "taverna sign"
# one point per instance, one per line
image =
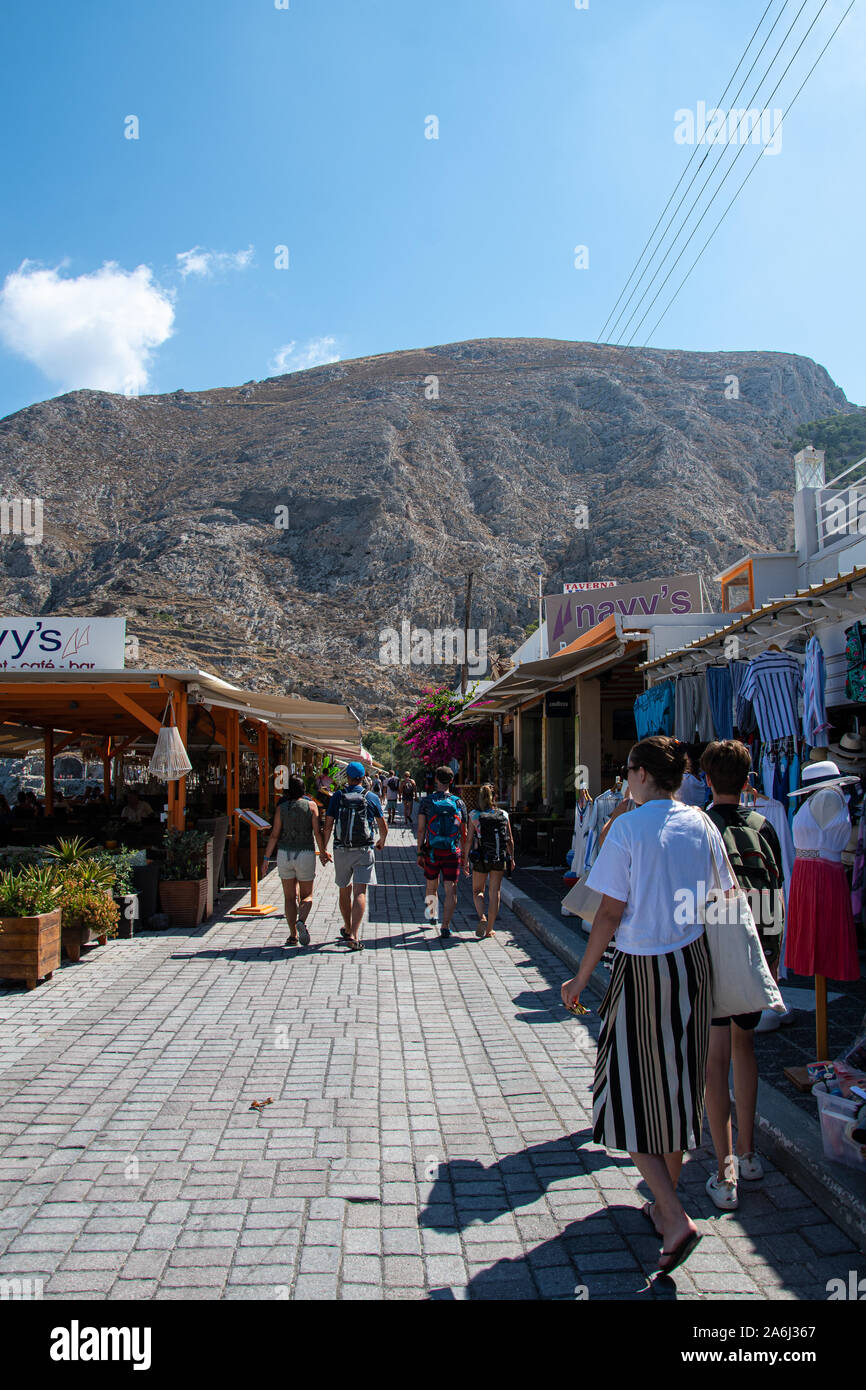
(570, 614)
(62, 644)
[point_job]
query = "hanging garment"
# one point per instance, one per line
(815, 723)
(654, 710)
(793, 784)
(581, 830)
(768, 773)
(781, 791)
(773, 683)
(744, 713)
(858, 878)
(692, 791)
(775, 814)
(855, 657)
(692, 709)
(821, 939)
(720, 690)
(599, 816)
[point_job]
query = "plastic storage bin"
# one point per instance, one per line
(836, 1112)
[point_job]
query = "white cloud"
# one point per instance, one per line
(197, 261)
(95, 330)
(314, 353)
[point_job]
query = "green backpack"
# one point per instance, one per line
(756, 873)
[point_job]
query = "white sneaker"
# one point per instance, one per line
(723, 1193)
(750, 1167)
(768, 1022)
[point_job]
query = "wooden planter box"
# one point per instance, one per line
(30, 947)
(76, 935)
(184, 900)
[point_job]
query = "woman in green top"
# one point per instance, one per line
(297, 828)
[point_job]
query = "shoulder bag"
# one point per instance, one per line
(742, 983)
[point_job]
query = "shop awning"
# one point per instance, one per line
(595, 650)
(103, 703)
(833, 601)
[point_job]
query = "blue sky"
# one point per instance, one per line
(305, 127)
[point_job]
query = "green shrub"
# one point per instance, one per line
(27, 893)
(185, 854)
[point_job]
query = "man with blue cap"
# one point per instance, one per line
(352, 814)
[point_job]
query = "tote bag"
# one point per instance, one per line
(582, 901)
(742, 983)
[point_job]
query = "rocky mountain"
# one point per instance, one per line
(271, 532)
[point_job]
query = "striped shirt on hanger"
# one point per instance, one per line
(772, 683)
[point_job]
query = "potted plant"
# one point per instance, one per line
(122, 862)
(29, 925)
(89, 912)
(183, 885)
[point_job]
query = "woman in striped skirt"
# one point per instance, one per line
(653, 872)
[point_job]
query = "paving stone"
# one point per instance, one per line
(417, 1088)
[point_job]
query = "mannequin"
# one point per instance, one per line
(821, 939)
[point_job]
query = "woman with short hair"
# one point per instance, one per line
(489, 848)
(653, 868)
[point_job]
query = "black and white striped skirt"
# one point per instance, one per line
(650, 1072)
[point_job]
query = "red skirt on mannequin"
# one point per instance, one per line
(820, 936)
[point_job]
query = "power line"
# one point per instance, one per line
(691, 157)
(750, 173)
(724, 179)
(718, 162)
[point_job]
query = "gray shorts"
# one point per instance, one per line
(354, 865)
(297, 863)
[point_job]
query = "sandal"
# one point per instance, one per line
(647, 1212)
(354, 945)
(303, 934)
(345, 934)
(680, 1253)
(290, 941)
(480, 929)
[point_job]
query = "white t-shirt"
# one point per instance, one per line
(658, 861)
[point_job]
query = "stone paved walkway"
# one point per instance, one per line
(429, 1135)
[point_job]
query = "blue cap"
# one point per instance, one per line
(356, 772)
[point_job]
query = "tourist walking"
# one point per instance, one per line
(354, 815)
(756, 859)
(298, 832)
(392, 792)
(442, 829)
(648, 1097)
(490, 854)
(408, 790)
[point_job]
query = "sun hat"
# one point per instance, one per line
(356, 772)
(825, 774)
(849, 750)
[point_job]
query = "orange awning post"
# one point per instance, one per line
(106, 769)
(233, 784)
(264, 771)
(177, 790)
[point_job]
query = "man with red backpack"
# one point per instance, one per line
(442, 829)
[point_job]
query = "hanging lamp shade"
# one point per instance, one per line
(169, 761)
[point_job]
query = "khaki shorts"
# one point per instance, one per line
(297, 863)
(354, 865)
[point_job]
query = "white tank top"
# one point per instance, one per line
(828, 840)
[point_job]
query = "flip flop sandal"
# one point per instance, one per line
(681, 1253)
(354, 945)
(481, 930)
(347, 936)
(647, 1212)
(290, 941)
(303, 934)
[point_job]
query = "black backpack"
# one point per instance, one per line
(353, 829)
(492, 830)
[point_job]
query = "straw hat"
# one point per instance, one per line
(824, 774)
(849, 751)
